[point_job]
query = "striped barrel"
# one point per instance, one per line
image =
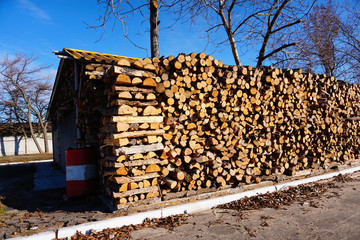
(80, 172)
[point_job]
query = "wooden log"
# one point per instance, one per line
(115, 88)
(152, 168)
(124, 110)
(150, 111)
(140, 149)
(149, 82)
(139, 119)
(124, 95)
(124, 62)
(119, 102)
(135, 163)
(170, 183)
(123, 79)
(137, 134)
(123, 180)
(131, 72)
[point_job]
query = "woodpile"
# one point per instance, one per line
(191, 122)
(130, 131)
(226, 124)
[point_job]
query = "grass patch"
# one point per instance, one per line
(25, 157)
(2, 208)
(2, 211)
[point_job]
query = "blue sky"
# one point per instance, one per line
(36, 27)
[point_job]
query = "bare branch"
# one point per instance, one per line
(279, 49)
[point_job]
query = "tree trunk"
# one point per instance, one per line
(154, 28)
(33, 135)
(46, 143)
(25, 144)
(231, 38)
(233, 48)
(262, 50)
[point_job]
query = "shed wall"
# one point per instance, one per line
(64, 137)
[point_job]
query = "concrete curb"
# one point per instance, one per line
(37, 161)
(178, 209)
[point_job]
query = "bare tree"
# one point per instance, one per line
(320, 46)
(350, 27)
(280, 18)
(223, 19)
(249, 24)
(12, 119)
(26, 92)
(328, 43)
(121, 10)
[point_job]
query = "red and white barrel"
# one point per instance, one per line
(80, 172)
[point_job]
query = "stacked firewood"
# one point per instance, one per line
(90, 101)
(227, 124)
(131, 134)
(191, 122)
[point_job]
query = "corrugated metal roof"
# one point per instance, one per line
(93, 56)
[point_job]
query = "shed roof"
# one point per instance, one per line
(91, 56)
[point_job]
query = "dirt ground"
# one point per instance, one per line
(330, 210)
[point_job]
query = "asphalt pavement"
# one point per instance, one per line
(335, 215)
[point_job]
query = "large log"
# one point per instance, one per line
(131, 72)
(139, 119)
(123, 180)
(137, 134)
(140, 149)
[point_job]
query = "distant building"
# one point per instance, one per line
(14, 142)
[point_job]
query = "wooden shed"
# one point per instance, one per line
(77, 80)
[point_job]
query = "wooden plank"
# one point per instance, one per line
(135, 163)
(137, 119)
(135, 191)
(115, 88)
(140, 149)
(99, 73)
(122, 180)
(119, 102)
(137, 134)
(133, 72)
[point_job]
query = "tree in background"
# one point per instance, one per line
(328, 43)
(283, 33)
(351, 31)
(323, 31)
(249, 25)
(121, 10)
(319, 44)
(25, 93)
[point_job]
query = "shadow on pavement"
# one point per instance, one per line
(40, 187)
